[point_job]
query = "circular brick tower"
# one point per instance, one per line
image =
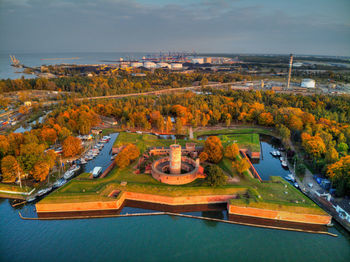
(175, 159)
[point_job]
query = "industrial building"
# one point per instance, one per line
(308, 83)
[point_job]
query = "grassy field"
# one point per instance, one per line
(250, 130)
(276, 193)
(14, 188)
(249, 141)
(144, 141)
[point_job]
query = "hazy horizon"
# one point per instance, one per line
(320, 27)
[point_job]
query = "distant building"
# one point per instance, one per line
(198, 60)
(308, 83)
(176, 66)
(207, 60)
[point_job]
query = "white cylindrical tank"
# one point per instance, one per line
(308, 83)
(175, 159)
(136, 64)
(162, 65)
(176, 66)
(149, 64)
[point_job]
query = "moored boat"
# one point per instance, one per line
(44, 191)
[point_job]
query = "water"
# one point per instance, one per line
(158, 238)
(269, 165)
(35, 59)
(104, 158)
(23, 129)
(161, 238)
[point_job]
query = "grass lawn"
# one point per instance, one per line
(14, 188)
(251, 130)
(144, 141)
(250, 141)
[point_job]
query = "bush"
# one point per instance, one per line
(215, 176)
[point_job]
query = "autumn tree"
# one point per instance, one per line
(64, 133)
(50, 158)
(284, 132)
(4, 145)
(213, 148)
(178, 126)
(30, 154)
(10, 169)
(339, 173)
(71, 146)
(313, 145)
(169, 125)
(232, 151)
(122, 160)
(131, 151)
(331, 155)
(203, 157)
(40, 170)
(241, 165)
(49, 135)
(265, 119)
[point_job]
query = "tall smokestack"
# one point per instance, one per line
(290, 69)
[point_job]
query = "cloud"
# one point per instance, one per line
(216, 26)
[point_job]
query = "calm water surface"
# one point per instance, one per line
(36, 59)
(162, 238)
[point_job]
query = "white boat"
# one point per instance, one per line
(278, 153)
(31, 199)
(83, 161)
(284, 164)
(68, 174)
(74, 168)
(282, 159)
(296, 185)
(60, 182)
(44, 191)
(96, 171)
(274, 153)
(290, 177)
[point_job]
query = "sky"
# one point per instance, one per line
(319, 27)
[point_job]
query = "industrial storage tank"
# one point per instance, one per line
(149, 64)
(136, 64)
(162, 65)
(308, 83)
(176, 66)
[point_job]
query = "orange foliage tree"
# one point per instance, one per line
(49, 135)
(313, 145)
(203, 156)
(4, 145)
(40, 170)
(241, 165)
(232, 151)
(10, 169)
(339, 173)
(213, 148)
(71, 146)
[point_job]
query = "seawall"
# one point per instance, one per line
(279, 215)
(117, 203)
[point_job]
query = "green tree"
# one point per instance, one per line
(215, 176)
